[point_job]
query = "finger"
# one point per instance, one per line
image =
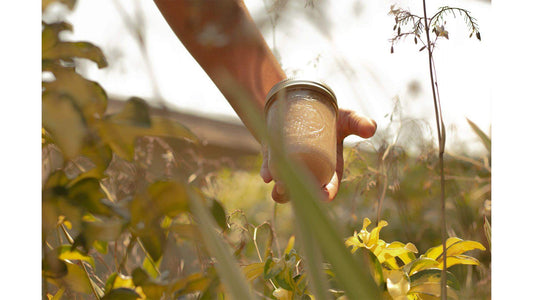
(332, 188)
(279, 193)
(265, 172)
(349, 122)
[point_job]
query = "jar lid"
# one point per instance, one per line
(301, 83)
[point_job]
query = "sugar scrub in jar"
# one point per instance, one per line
(301, 116)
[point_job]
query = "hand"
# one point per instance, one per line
(348, 122)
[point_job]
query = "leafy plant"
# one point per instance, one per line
(406, 276)
(418, 26)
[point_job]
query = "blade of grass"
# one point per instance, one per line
(226, 265)
(484, 138)
(313, 263)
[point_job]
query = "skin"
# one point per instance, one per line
(222, 37)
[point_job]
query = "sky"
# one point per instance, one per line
(352, 56)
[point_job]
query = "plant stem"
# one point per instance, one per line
(440, 130)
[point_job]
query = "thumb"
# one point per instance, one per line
(265, 172)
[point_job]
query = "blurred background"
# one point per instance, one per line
(344, 43)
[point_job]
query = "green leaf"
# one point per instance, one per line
(100, 246)
(152, 289)
(484, 138)
(153, 240)
(375, 265)
(100, 155)
(75, 279)
(135, 112)
(421, 263)
(219, 214)
(434, 276)
(65, 252)
(121, 294)
(99, 230)
(86, 193)
(169, 197)
(193, 283)
(69, 50)
(272, 267)
(63, 120)
(56, 204)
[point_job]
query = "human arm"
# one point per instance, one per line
(222, 37)
(224, 40)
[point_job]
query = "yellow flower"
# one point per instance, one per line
(385, 252)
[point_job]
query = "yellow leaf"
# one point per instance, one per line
(463, 246)
(64, 122)
(88, 96)
(65, 252)
(252, 271)
(422, 263)
(290, 245)
(58, 295)
(397, 283)
(354, 242)
(69, 50)
(397, 249)
(282, 294)
(436, 251)
(459, 260)
(374, 235)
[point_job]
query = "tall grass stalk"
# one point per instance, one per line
(442, 141)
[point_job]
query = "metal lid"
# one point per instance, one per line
(301, 83)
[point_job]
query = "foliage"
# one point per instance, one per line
(130, 211)
(405, 275)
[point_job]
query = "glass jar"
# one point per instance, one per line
(301, 116)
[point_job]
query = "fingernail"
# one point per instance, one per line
(280, 188)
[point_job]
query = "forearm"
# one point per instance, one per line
(224, 40)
